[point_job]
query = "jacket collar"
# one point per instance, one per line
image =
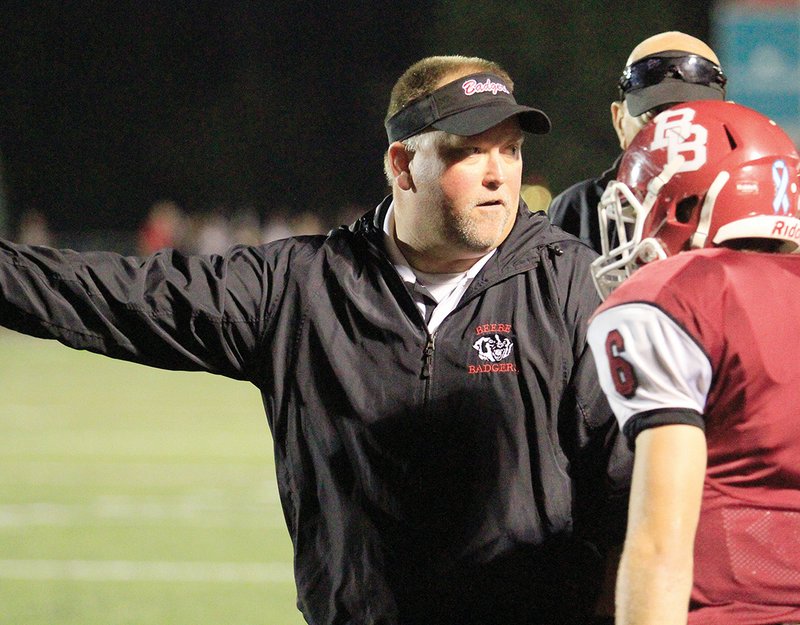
(521, 251)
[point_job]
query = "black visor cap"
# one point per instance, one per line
(467, 106)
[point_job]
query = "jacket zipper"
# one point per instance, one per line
(427, 354)
(427, 364)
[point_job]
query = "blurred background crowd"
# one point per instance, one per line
(166, 224)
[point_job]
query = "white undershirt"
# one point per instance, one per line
(445, 288)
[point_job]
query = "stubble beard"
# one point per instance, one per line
(475, 233)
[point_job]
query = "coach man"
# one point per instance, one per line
(419, 485)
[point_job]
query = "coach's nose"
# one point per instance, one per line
(495, 174)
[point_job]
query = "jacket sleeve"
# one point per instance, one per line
(167, 310)
(600, 460)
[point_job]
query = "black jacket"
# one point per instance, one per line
(574, 210)
(465, 477)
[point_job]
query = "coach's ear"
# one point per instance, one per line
(617, 118)
(399, 161)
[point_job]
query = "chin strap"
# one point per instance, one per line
(700, 235)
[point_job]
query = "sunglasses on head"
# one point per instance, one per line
(651, 70)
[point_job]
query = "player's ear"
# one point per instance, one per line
(617, 115)
(399, 161)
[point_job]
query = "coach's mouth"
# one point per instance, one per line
(491, 203)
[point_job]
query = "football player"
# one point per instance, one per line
(696, 351)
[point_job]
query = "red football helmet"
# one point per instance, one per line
(698, 175)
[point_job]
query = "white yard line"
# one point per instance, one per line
(132, 571)
(201, 511)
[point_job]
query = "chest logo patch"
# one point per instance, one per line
(492, 348)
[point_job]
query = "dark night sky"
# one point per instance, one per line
(105, 109)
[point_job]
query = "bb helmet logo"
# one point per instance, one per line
(675, 131)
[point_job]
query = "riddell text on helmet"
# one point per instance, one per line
(790, 231)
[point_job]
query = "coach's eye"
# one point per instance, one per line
(462, 151)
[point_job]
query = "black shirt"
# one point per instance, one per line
(574, 210)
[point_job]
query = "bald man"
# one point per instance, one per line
(665, 69)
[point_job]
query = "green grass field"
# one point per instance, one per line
(133, 495)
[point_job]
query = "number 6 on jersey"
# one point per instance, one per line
(622, 372)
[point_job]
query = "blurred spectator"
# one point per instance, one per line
(306, 222)
(276, 226)
(213, 234)
(246, 227)
(348, 213)
(165, 226)
(34, 229)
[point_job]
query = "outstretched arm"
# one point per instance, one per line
(167, 310)
(655, 575)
